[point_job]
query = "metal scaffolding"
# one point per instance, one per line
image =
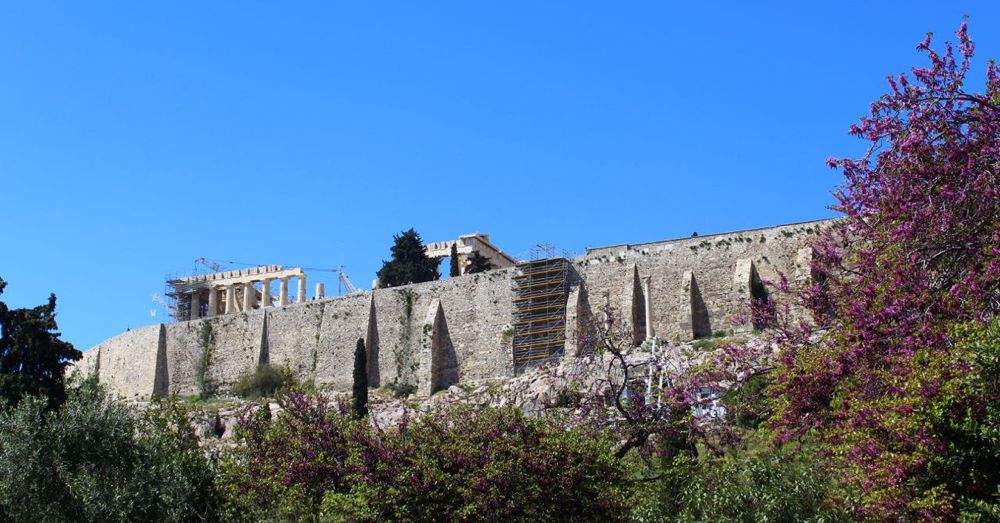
(540, 288)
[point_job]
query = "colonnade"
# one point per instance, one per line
(241, 291)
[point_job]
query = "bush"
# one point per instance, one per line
(264, 381)
(400, 390)
(493, 464)
(315, 462)
(97, 460)
(283, 466)
(771, 486)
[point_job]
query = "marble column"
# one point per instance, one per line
(248, 295)
(213, 301)
(195, 306)
(320, 291)
(650, 333)
(265, 293)
(301, 298)
(230, 299)
(283, 292)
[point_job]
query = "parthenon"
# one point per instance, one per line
(234, 291)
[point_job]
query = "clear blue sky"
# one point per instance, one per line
(136, 137)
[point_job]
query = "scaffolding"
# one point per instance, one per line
(540, 289)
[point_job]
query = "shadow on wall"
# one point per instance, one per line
(638, 309)
(586, 344)
(161, 376)
(444, 361)
(372, 343)
(701, 325)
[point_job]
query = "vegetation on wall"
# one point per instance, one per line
(206, 341)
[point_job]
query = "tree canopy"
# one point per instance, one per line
(478, 263)
(32, 357)
(409, 262)
(455, 269)
(907, 284)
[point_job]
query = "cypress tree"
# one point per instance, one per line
(359, 405)
(409, 263)
(456, 270)
(478, 263)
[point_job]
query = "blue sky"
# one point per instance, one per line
(136, 137)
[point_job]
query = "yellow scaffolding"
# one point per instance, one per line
(540, 289)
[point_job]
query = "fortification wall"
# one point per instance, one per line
(698, 285)
(436, 334)
(128, 362)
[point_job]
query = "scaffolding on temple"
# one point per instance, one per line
(540, 290)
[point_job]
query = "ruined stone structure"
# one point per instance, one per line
(436, 334)
(229, 292)
(466, 245)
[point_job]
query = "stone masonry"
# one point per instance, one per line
(436, 334)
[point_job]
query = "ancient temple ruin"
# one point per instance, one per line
(229, 292)
(466, 245)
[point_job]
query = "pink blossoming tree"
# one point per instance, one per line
(912, 267)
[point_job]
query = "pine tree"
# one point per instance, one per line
(409, 263)
(32, 357)
(478, 263)
(456, 269)
(359, 405)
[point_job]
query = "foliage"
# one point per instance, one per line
(206, 340)
(478, 263)
(264, 381)
(32, 357)
(773, 486)
(282, 467)
(409, 263)
(917, 252)
(455, 269)
(97, 460)
(400, 390)
(317, 463)
(497, 464)
(359, 404)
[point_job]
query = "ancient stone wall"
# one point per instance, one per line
(436, 334)
(128, 363)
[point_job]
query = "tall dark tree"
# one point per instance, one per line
(478, 263)
(409, 263)
(359, 405)
(456, 269)
(32, 357)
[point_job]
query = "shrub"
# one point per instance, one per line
(400, 390)
(283, 466)
(263, 381)
(771, 486)
(314, 462)
(467, 465)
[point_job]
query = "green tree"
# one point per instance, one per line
(478, 263)
(32, 357)
(456, 269)
(359, 405)
(98, 460)
(409, 263)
